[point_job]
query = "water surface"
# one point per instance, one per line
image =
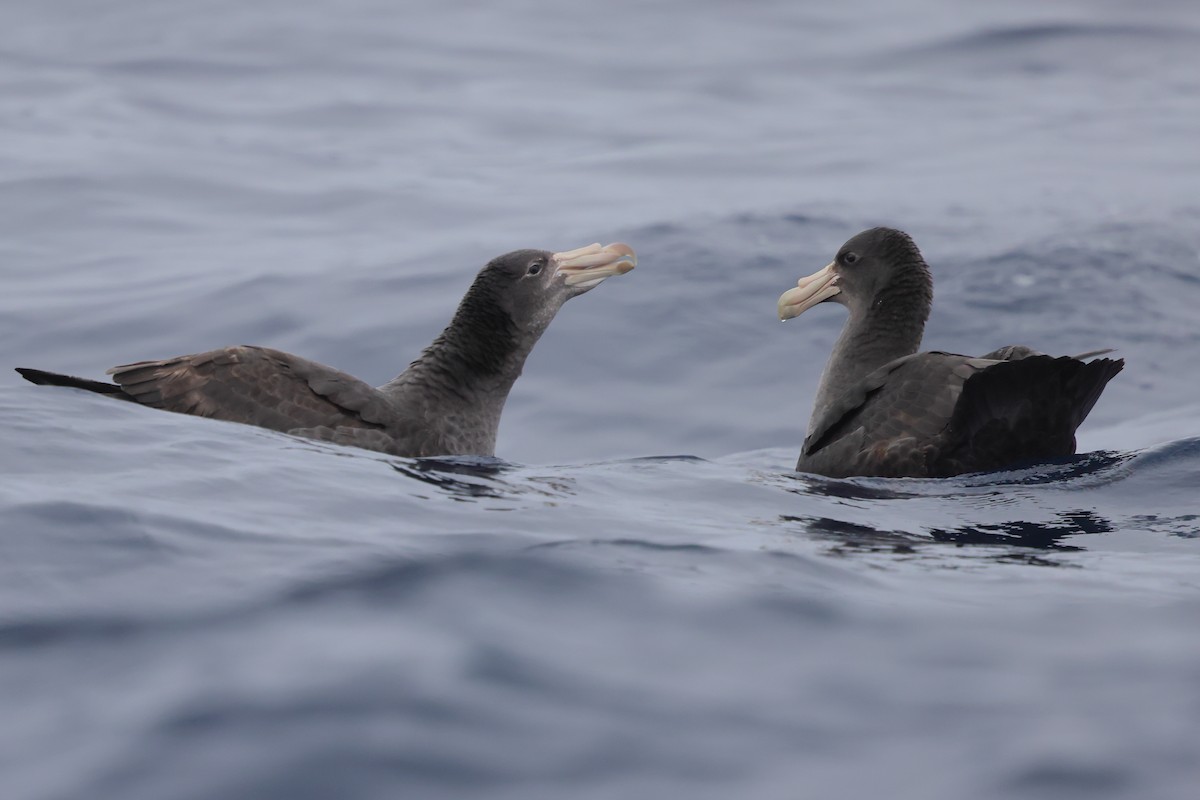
(638, 598)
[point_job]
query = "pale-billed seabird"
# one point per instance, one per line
(883, 409)
(447, 402)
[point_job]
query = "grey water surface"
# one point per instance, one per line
(638, 598)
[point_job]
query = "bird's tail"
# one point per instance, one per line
(43, 378)
(1090, 382)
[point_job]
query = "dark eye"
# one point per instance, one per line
(534, 268)
(849, 258)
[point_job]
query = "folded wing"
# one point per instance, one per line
(257, 386)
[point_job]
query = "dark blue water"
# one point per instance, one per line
(640, 600)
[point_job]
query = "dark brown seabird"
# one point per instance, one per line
(447, 402)
(883, 409)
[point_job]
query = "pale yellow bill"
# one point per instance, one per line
(816, 288)
(587, 266)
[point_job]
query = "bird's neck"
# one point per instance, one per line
(462, 380)
(890, 327)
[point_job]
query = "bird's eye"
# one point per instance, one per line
(534, 268)
(849, 258)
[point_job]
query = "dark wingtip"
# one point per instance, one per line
(43, 378)
(33, 375)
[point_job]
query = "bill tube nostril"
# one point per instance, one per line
(809, 291)
(588, 266)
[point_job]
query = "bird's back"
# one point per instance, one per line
(1022, 411)
(939, 414)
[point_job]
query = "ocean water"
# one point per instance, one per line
(638, 598)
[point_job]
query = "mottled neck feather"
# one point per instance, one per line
(889, 327)
(471, 366)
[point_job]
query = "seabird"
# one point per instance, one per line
(883, 409)
(447, 402)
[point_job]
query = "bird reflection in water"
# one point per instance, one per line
(1039, 535)
(1099, 466)
(470, 478)
(460, 478)
(851, 538)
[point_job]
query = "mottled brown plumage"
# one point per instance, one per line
(448, 402)
(882, 409)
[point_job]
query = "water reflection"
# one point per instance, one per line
(1081, 465)
(845, 488)
(460, 478)
(471, 478)
(850, 537)
(1039, 535)
(1100, 462)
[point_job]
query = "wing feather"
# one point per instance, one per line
(937, 414)
(257, 386)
